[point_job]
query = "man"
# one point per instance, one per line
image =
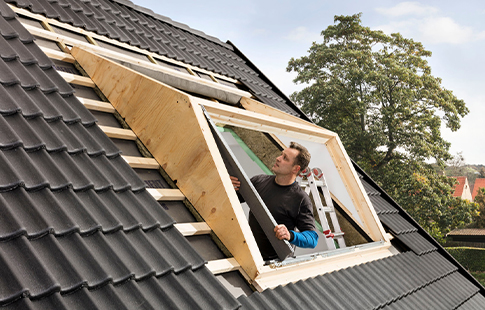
(290, 206)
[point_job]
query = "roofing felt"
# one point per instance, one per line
(131, 24)
(479, 183)
(78, 228)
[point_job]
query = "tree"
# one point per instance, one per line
(479, 219)
(377, 92)
(456, 165)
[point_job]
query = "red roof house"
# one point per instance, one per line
(479, 183)
(462, 189)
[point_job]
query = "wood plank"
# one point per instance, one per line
(97, 105)
(193, 229)
(356, 191)
(137, 162)
(232, 115)
(187, 153)
(77, 79)
(166, 194)
(57, 55)
(223, 265)
(118, 133)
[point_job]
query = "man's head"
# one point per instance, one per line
(292, 160)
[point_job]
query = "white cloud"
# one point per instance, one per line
(408, 8)
(426, 25)
(302, 34)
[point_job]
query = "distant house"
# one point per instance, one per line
(462, 189)
(479, 183)
(470, 237)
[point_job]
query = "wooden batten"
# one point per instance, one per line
(138, 162)
(118, 133)
(53, 54)
(223, 265)
(193, 229)
(166, 194)
(175, 131)
(97, 105)
(77, 79)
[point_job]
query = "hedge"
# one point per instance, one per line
(472, 259)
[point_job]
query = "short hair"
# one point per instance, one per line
(303, 157)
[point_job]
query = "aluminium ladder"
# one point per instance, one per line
(316, 180)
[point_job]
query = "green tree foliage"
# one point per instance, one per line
(377, 92)
(479, 219)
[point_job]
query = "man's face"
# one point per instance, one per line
(284, 164)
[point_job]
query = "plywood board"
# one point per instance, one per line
(176, 133)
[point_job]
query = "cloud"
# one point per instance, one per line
(302, 34)
(424, 24)
(408, 8)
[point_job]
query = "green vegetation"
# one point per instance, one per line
(377, 92)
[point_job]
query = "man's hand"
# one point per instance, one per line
(235, 183)
(281, 232)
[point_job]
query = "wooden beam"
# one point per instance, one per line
(146, 64)
(77, 79)
(193, 229)
(137, 162)
(166, 194)
(223, 265)
(189, 154)
(58, 55)
(118, 133)
(256, 121)
(356, 191)
(97, 105)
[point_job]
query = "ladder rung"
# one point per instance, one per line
(118, 133)
(223, 265)
(166, 194)
(77, 79)
(141, 162)
(97, 105)
(192, 229)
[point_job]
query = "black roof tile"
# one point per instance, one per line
(397, 223)
(32, 274)
(474, 303)
(382, 206)
(94, 205)
(417, 243)
(7, 104)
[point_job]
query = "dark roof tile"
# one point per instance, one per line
(94, 205)
(7, 103)
(397, 223)
(10, 227)
(26, 211)
(92, 173)
(382, 206)
(8, 139)
(176, 249)
(52, 255)
(92, 136)
(28, 170)
(81, 252)
(417, 243)
(32, 274)
(68, 201)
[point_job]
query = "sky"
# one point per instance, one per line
(271, 32)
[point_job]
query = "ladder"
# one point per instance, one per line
(315, 180)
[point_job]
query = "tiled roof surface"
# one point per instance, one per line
(78, 230)
(127, 23)
(467, 232)
(479, 183)
(460, 186)
(422, 278)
